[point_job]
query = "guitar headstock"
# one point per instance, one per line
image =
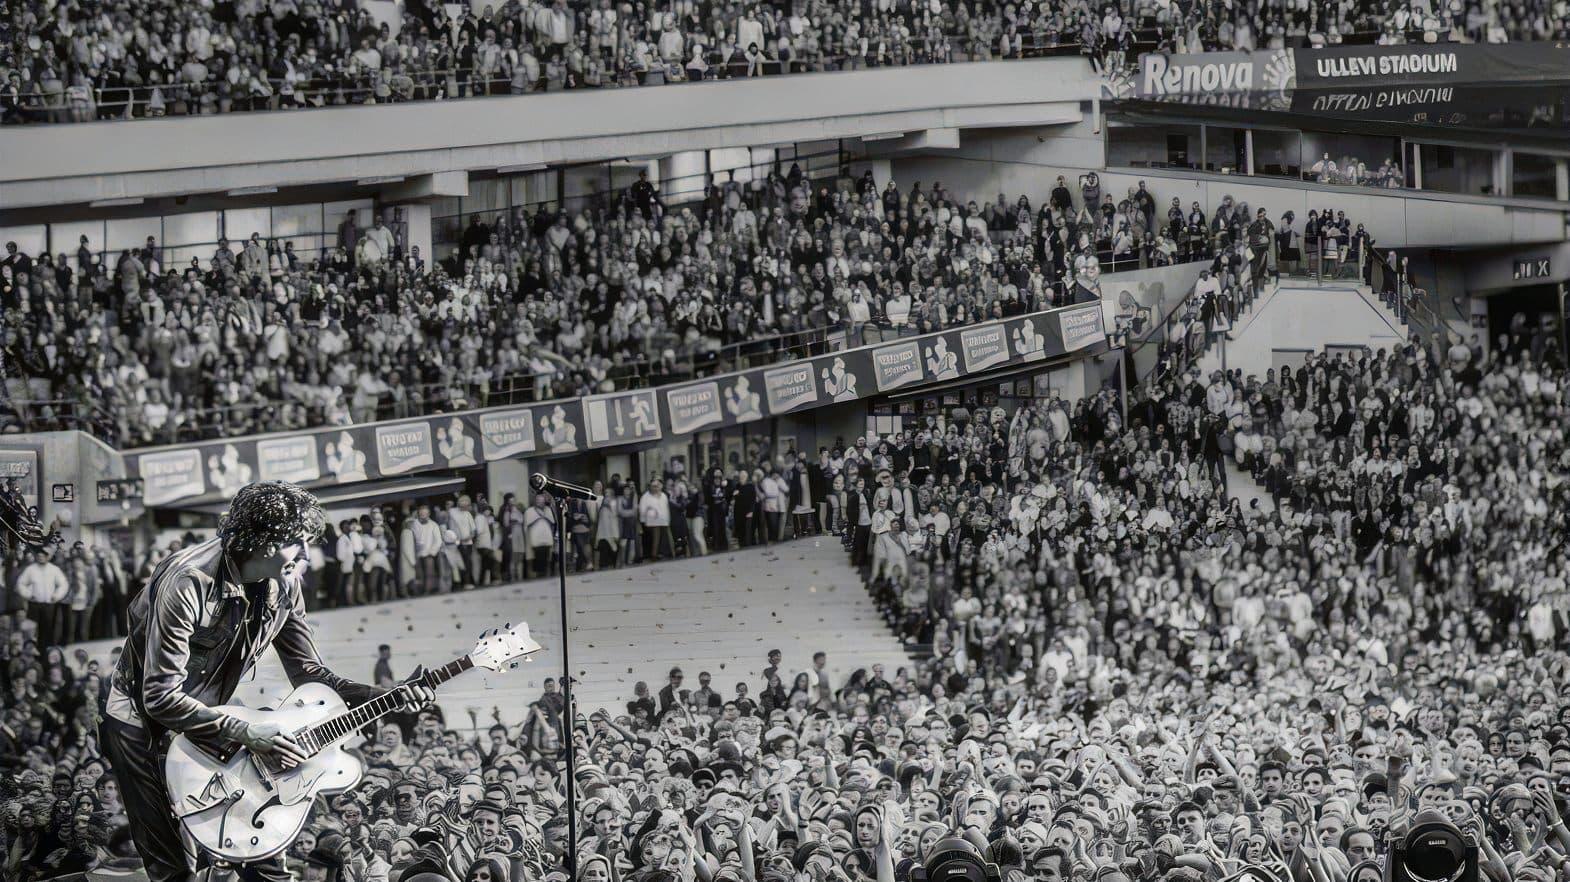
(499, 649)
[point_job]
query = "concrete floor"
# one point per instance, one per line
(721, 613)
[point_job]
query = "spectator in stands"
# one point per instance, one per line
(344, 335)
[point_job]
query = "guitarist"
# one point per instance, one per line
(207, 614)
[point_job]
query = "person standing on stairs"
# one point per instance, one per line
(1287, 252)
(1261, 234)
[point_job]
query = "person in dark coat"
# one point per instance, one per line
(716, 503)
(744, 503)
(858, 517)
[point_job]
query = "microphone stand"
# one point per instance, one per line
(568, 711)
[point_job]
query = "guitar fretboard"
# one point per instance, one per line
(320, 736)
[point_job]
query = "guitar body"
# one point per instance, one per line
(232, 806)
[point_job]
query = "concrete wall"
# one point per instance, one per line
(51, 165)
(1028, 161)
(1494, 270)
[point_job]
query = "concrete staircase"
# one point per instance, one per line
(1299, 314)
(721, 613)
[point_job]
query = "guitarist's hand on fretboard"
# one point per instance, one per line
(270, 740)
(417, 693)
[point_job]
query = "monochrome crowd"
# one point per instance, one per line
(1249, 628)
(76, 60)
(540, 304)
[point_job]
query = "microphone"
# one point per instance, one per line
(561, 489)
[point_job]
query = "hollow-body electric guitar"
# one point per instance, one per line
(243, 807)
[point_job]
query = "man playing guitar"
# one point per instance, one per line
(207, 614)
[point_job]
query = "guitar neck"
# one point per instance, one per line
(346, 724)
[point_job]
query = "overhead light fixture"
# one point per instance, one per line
(252, 191)
(115, 203)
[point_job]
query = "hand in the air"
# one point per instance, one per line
(416, 694)
(269, 739)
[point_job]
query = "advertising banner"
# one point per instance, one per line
(505, 433)
(1430, 64)
(1264, 78)
(347, 454)
(287, 459)
(1488, 106)
(20, 464)
(790, 387)
(984, 347)
(171, 475)
(1081, 326)
(693, 407)
(620, 418)
(897, 365)
(402, 448)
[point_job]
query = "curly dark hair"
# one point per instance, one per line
(270, 513)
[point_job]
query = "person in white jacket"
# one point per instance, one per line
(350, 551)
(427, 548)
(654, 513)
(43, 588)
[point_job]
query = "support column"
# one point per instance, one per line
(416, 229)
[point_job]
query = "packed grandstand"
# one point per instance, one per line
(1190, 623)
(1133, 675)
(79, 61)
(141, 352)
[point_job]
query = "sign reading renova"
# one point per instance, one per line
(1164, 74)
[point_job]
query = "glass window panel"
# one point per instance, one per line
(300, 226)
(240, 223)
(518, 190)
(1350, 159)
(132, 232)
(192, 229)
(446, 206)
(31, 240)
(1449, 169)
(333, 214)
(1226, 150)
(1153, 146)
(543, 188)
(1534, 175)
(624, 176)
(1277, 154)
(66, 238)
(486, 197)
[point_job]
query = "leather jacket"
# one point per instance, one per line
(195, 633)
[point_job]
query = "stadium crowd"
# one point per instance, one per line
(257, 338)
(78, 61)
(1135, 675)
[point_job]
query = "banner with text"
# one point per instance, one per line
(1209, 78)
(1431, 64)
(198, 474)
